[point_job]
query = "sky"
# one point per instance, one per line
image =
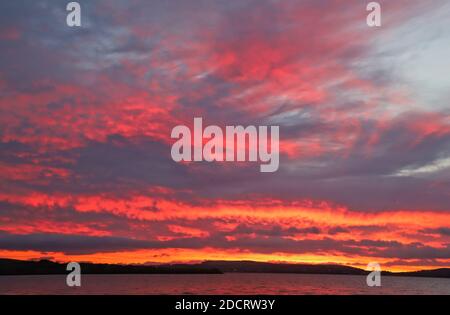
(86, 115)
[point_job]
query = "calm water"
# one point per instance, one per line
(231, 283)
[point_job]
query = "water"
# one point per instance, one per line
(230, 283)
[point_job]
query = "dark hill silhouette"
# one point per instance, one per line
(253, 266)
(42, 267)
(435, 273)
(19, 267)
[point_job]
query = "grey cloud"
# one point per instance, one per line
(79, 244)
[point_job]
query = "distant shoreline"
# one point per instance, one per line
(388, 274)
(44, 267)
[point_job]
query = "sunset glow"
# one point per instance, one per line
(86, 115)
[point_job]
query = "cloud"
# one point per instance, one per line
(76, 244)
(444, 231)
(86, 114)
(81, 244)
